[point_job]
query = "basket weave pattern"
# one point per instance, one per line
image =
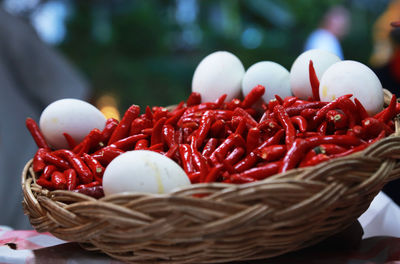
(258, 220)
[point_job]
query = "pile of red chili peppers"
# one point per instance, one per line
(218, 141)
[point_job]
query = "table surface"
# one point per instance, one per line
(17, 246)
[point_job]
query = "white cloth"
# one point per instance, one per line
(323, 39)
(382, 218)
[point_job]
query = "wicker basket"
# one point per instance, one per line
(268, 218)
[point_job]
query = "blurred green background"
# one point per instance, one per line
(145, 52)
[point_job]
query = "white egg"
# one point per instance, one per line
(273, 76)
(219, 73)
(299, 73)
(72, 116)
(352, 77)
(143, 171)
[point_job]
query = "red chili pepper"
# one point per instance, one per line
(95, 192)
(248, 118)
(209, 147)
(271, 153)
(279, 99)
(95, 166)
(296, 109)
(128, 143)
(233, 104)
(71, 178)
(320, 115)
(148, 113)
(360, 109)
(156, 135)
(199, 162)
(175, 117)
(157, 147)
(38, 160)
(45, 184)
(316, 160)
(214, 173)
(57, 161)
(89, 185)
(272, 103)
(390, 111)
(247, 162)
(241, 127)
(253, 96)
(269, 125)
(217, 129)
(106, 155)
(260, 173)
(168, 133)
(193, 99)
(220, 101)
(308, 134)
(179, 136)
(253, 139)
(313, 81)
(92, 140)
(160, 113)
(287, 124)
(235, 155)
(310, 154)
(329, 149)
(338, 119)
(123, 127)
(37, 135)
(204, 128)
(48, 171)
(238, 179)
(171, 151)
(138, 125)
(322, 128)
(221, 151)
(186, 158)
(59, 181)
(111, 125)
(71, 142)
(341, 140)
(300, 122)
(295, 154)
(142, 144)
(84, 173)
(308, 113)
(350, 110)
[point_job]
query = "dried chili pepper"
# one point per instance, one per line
(37, 135)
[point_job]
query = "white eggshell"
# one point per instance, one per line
(273, 76)
(143, 171)
(299, 73)
(219, 73)
(352, 77)
(72, 116)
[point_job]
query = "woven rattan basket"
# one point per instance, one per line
(280, 214)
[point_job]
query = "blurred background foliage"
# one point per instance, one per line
(145, 52)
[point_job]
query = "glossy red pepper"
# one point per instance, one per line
(38, 162)
(84, 173)
(171, 152)
(253, 139)
(320, 115)
(248, 118)
(95, 166)
(350, 110)
(300, 122)
(341, 140)
(253, 96)
(173, 120)
(193, 99)
(204, 128)
(329, 149)
(210, 147)
(111, 125)
(37, 135)
(128, 143)
(308, 113)
(92, 140)
(185, 154)
(316, 160)
(59, 181)
(289, 101)
(71, 142)
(272, 103)
(88, 185)
(50, 157)
(217, 129)
(138, 125)
(390, 111)
(45, 183)
(48, 171)
(142, 144)
(313, 81)
(156, 135)
(221, 151)
(284, 120)
(72, 180)
(235, 155)
(322, 128)
(360, 109)
(260, 173)
(220, 101)
(122, 130)
(272, 153)
(338, 119)
(214, 173)
(160, 113)
(295, 154)
(296, 109)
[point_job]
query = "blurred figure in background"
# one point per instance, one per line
(334, 26)
(32, 75)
